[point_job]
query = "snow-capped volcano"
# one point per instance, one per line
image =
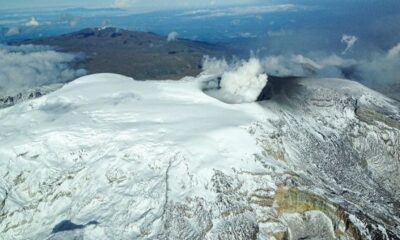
(108, 157)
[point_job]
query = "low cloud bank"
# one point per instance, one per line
(243, 11)
(29, 66)
(18, 29)
(383, 70)
(301, 66)
(380, 72)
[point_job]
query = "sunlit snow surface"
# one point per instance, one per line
(108, 157)
(109, 143)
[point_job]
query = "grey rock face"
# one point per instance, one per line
(346, 143)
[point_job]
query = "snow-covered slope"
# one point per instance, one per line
(107, 157)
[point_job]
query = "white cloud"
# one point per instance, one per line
(279, 33)
(13, 31)
(122, 3)
(241, 82)
(299, 65)
(295, 65)
(213, 66)
(32, 23)
(380, 72)
(172, 36)
(70, 19)
(306, 63)
(349, 41)
(22, 27)
(382, 69)
(394, 52)
(288, 65)
(246, 82)
(335, 60)
(279, 66)
(243, 11)
(23, 67)
(155, 5)
(245, 35)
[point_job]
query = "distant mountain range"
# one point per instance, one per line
(140, 55)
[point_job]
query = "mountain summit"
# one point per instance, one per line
(104, 156)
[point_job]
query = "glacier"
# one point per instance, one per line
(108, 157)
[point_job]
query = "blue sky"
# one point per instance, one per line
(130, 4)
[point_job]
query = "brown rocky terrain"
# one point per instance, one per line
(139, 55)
